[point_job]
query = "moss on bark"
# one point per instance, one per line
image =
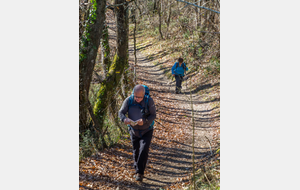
(107, 87)
(115, 71)
(89, 44)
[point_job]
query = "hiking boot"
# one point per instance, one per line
(139, 177)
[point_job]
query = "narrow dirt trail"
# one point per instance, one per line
(172, 162)
(170, 156)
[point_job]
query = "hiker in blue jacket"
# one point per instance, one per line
(178, 71)
(140, 108)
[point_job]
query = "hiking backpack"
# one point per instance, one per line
(183, 65)
(145, 110)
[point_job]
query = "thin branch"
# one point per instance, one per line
(116, 5)
(218, 3)
(207, 179)
(193, 141)
(137, 7)
(159, 123)
(198, 6)
(90, 110)
(104, 131)
(189, 4)
(98, 77)
(209, 146)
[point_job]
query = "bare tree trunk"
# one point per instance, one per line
(126, 79)
(88, 52)
(159, 14)
(138, 7)
(127, 30)
(120, 92)
(199, 23)
(134, 45)
(114, 113)
(125, 84)
(90, 110)
(201, 19)
(154, 6)
(123, 90)
(196, 16)
(161, 9)
(169, 17)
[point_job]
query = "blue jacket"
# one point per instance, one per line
(179, 71)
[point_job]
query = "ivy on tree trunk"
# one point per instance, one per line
(89, 44)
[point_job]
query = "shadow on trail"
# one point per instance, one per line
(157, 55)
(168, 163)
(157, 75)
(156, 65)
(196, 102)
(203, 87)
(166, 166)
(174, 162)
(184, 110)
(202, 118)
(143, 47)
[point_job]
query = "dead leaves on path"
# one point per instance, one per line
(108, 169)
(113, 167)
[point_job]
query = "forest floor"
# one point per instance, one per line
(170, 156)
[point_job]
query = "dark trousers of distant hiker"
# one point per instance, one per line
(179, 80)
(140, 150)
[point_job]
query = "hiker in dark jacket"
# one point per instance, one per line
(178, 71)
(141, 132)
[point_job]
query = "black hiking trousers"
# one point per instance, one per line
(179, 80)
(141, 150)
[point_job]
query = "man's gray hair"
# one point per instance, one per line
(139, 88)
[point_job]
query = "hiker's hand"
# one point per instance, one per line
(173, 75)
(127, 121)
(140, 122)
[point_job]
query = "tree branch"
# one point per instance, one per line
(198, 6)
(90, 110)
(100, 80)
(116, 5)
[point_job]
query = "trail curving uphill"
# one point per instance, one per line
(170, 156)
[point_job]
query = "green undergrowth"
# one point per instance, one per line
(94, 88)
(90, 145)
(213, 67)
(179, 44)
(206, 179)
(186, 44)
(207, 175)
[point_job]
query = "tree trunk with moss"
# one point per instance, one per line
(120, 92)
(105, 50)
(114, 113)
(89, 44)
(113, 77)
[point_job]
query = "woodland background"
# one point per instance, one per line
(39, 81)
(188, 29)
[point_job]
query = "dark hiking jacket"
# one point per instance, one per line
(134, 113)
